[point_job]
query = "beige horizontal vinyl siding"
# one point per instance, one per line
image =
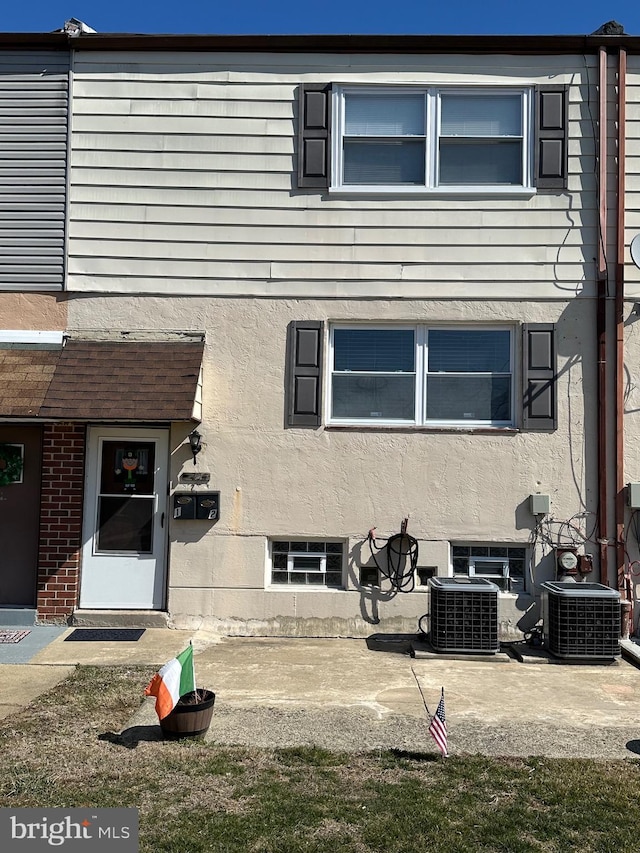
(235, 208)
(632, 177)
(189, 159)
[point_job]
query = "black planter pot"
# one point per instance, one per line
(191, 717)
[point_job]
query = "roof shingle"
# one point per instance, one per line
(102, 380)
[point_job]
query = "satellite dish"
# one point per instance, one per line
(635, 250)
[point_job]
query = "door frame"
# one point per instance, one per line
(156, 575)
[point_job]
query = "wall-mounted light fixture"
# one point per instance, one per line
(195, 443)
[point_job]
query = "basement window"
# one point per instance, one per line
(308, 563)
(503, 565)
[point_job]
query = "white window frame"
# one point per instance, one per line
(291, 557)
(432, 138)
(475, 564)
(420, 419)
(477, 567)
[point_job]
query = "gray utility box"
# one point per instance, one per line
(464, 615)
(581, 620)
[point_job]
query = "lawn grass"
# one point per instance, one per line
(201, 798)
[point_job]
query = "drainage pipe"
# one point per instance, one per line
(623, 582)
(601, 318)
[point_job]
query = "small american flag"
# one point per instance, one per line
(438, 726)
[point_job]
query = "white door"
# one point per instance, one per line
(124, 541)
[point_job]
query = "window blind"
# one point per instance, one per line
(391, 114)
(480, 115)
(469, 351)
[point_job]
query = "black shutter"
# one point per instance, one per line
(314, 135)
(304, 379)
(539, 396)
(551, 137)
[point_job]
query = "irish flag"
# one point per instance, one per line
(171, 682)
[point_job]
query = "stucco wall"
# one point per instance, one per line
(33, 311)
(453, 485)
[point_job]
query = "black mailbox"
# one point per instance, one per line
(208, 505)
(184, 505)
(199, 505)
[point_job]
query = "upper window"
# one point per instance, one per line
(423, 139)
(419, 375)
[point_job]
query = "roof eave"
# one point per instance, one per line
(342, 43)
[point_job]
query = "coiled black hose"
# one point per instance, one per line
(401, 558)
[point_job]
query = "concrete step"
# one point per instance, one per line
(119, 619)
(21, 616)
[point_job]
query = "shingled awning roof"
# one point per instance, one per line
(102, 381)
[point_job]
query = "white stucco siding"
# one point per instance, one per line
(189, 160)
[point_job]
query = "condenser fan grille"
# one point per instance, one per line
(579, 625)
(464, 615)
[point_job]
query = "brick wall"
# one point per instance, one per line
(63, 452)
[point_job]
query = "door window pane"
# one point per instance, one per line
(127, 468)
(125, 524)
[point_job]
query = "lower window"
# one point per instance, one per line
(459, 376)
(306, 563)
(503, 565)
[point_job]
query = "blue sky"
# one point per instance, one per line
(331, 16)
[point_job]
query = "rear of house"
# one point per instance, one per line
(369, 272)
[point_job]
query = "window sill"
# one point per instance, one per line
(438, 192)
(289, 587)
(411, 428)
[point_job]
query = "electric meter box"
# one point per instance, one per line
(204, 506)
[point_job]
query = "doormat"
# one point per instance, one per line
(12, 636)
(105, 635)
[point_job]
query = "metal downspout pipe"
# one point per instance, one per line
(601, 318)
(624, 584)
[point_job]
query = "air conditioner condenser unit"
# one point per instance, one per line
(581, 620)
(464, 615)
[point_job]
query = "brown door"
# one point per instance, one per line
(20, 460)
